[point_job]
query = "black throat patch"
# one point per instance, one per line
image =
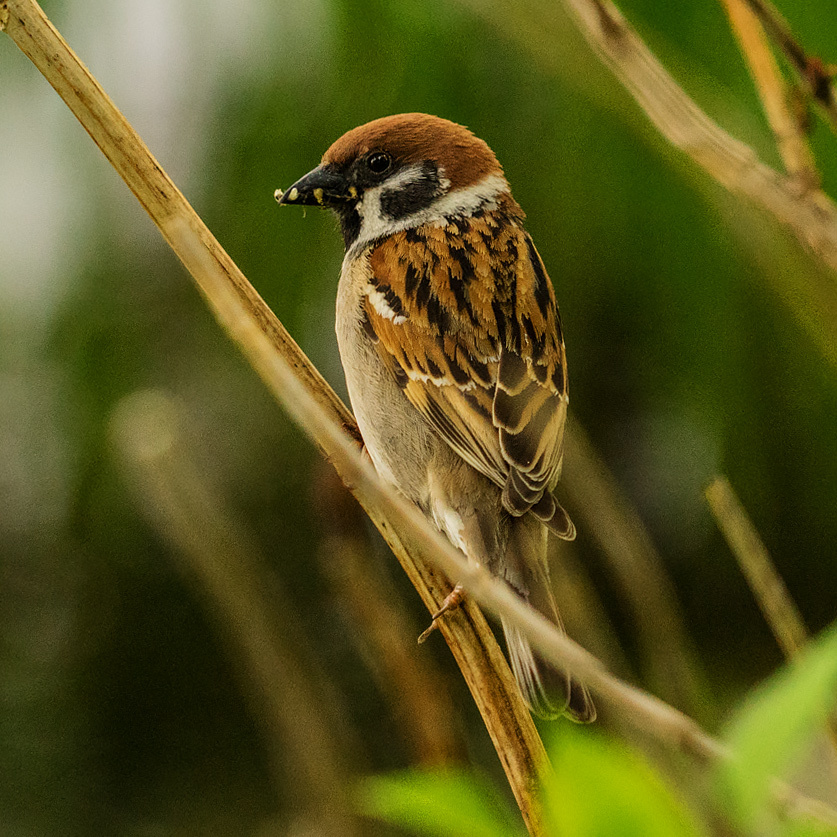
(349, 219)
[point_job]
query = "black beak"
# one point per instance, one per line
(322, 187)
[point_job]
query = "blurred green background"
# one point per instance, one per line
(700, 340)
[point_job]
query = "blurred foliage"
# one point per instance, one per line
(120, 710)
(771, 730)
(438, 803)
(600, 786)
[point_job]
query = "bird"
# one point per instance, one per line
(452, 347)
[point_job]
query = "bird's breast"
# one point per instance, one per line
(399, 441)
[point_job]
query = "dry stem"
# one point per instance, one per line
(811, 71)
(248, 320)
(250, 609)
(310, 402)
(771, 594)
(790, 139)
(811, 216)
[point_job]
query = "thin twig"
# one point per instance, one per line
(643, 711)
(313, 406)
(249, 607)
(771, 594)
(421, 701)
(548, 32)
(596, 500)
(812, 72)
(790, 138)
(249, 322)
(811, 216)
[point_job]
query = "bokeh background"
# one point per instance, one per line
(700, 340)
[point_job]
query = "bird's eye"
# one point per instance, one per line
(378, 162)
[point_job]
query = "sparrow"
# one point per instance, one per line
(451, 343)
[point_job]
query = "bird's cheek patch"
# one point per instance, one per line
(414, 194)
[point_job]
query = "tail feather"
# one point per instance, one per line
(548, 705)
(553, 515)
(549, 693)
(514, 547)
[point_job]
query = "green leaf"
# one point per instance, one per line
(768, 734)
(602, 787)
(438, 803)
(808, 829)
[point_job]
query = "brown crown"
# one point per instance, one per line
(415, 137)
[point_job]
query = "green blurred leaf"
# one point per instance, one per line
(602, 787)
(771, 729)
(441, 803)
(808, 829)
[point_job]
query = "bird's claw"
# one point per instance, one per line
(451, 602)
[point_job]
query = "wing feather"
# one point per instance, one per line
(464, 316)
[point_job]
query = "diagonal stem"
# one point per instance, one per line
(247, 319)
(771, 594)
(790, 139)
(810, 69)
(317, 410)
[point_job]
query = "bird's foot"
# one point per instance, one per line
(451, 602)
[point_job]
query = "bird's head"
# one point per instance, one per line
(399, 172)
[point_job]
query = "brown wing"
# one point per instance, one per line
(465, 318)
